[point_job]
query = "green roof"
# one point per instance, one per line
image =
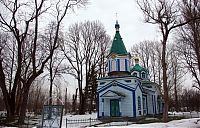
(118, 46)
(138, 68)
(144, 82)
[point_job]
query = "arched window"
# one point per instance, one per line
(159, 103)
(143, 75)
(134, 74)
(117, 64)
(126, 65)
(139, 103)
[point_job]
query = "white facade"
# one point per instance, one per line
(126, 91)
(118, 63)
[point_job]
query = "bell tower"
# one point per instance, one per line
(118, 59)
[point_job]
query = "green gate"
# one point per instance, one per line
(114, 108)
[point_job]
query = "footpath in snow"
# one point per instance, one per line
(184, 123)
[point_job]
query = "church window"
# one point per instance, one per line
(109, 66)
(113, 65)
(144, 102)
(143, 75)
(134, 74)
(126, 65)
(118, 64)
(139, 103)
(149, 86)
(159, 103)
(128, 81)
(101, 83)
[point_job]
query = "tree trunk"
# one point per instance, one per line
(165, 87)
(6, 96)
(24, 103)
(81, 103)
(74, 101)
(175, 89)
(66, 107)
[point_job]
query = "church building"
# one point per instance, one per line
(126, 91)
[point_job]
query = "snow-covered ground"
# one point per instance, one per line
(192, 114)
(184, 123)
(77, 118)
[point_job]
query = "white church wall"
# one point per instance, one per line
(158, 110)
(106, 107)
(157, 93)
(113, 63)
(152, 104)
(126, 102)
(138, 92)
(122, 64)
(149, 104)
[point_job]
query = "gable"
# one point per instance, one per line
(115, 83)
(110, 94)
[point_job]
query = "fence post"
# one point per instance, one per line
(66, 122)
(28, 121)
(90, 121)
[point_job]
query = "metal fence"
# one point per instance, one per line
(81, 122)
(70, 123)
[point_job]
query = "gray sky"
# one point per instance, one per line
(132, 27)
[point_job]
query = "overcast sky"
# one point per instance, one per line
(131, 20)
(132, 26)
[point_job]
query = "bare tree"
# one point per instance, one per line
(150, 55)
(37, 96)
(189, 39)
(85, 47)
(54, 66)
(30, 56)
(189, 100)
(165, 14)
(176, 72)
(142, 49)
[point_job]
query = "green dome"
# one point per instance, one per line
(138, 68)
(118, 46)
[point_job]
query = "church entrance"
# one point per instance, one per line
(114, 108)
